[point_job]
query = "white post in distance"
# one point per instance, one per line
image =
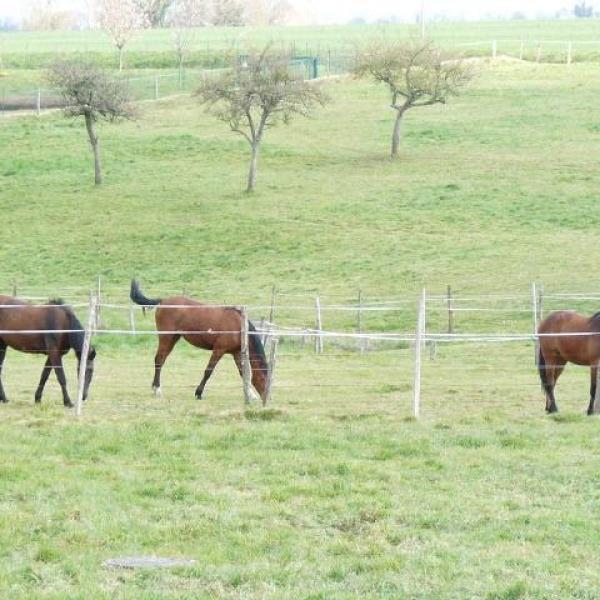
(87, 338)
(419, 334)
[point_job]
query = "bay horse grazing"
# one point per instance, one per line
(555, 351)
(55, 330)
(214, 328)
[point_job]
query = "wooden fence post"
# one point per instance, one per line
(318, 327)
(538, 57)
(14, 290)
(494, 48)
(522, 50)
(38, 102)
(569, 53)
(98, 301)
(156, 88)
(272, 311)
(271, 373)
(419, 334)
(246, 368)
(87, 338)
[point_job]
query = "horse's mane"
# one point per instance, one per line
(595, 318)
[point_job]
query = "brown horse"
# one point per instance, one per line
(54, 330)
(213, 328)
(568, 346)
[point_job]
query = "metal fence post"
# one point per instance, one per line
(245, 355)
(419, 334)
(271, 372)
(319, 327)
(84, 354)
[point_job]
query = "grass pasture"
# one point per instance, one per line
(330, 493)
(154, 48)
(334, 491)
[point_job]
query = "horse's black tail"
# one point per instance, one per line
(541, 364)
(257, 349)
(136, 296)
(76, 334)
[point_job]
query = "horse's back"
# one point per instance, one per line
(18, 316)
(564, 321)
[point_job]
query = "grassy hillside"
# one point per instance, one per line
(492, 191)
(334, 492)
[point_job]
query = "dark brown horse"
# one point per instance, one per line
(577, 341)
(209, 327)
(54, 331)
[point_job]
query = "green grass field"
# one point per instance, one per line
(154, 48)
(334, 491)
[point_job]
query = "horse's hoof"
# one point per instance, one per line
(4, 400)
(198, 395)
(157, 392)
(68, 404)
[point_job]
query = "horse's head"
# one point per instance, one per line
(89, 371)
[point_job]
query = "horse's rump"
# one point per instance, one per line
(567, 345)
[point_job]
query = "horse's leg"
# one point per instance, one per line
(2, 357)
(594, 379)
(215, 357)
(166, 343)
(45, 374)
(555, 370)
(55, 358)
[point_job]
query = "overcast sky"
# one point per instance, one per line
(341, 11)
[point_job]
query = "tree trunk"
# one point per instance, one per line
(397, 133)
(253, 164)
(95, 143)
(180, 71)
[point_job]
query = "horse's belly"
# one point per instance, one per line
(577, 351)
(24, 343)
(201, 340)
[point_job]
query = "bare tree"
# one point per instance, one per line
(228, 13)
(185, 15)
(416, 74)
(267, 12)
(153, 11)
(120, 18)
(47, 15)
(89, 92)
(258, 92)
